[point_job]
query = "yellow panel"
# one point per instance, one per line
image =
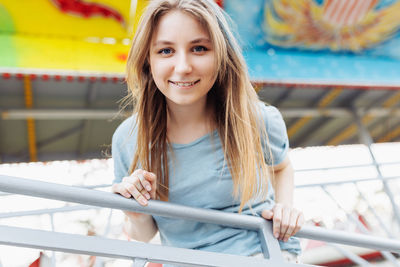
(45, 17)
(49, 37)
(68, 54)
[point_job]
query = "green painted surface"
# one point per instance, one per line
(6, 22)
(8, 56)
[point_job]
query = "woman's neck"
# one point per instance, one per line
(187, 123)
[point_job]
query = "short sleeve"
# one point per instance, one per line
(123, 144)
(277, 143)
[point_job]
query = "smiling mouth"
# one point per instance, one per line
(184, 84)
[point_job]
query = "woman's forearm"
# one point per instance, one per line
(284, 182)
(141, 228)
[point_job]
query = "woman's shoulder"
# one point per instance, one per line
(270, 114)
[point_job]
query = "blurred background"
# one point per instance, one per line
(332, 67)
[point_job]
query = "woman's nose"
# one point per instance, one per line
(183, 64)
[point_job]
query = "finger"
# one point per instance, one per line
(119, 189)
(146, 178)
(137, 182)
(149, 182)
(267, 214)
(145, 194)
(133, 179)
(284, 222)
(277, 220)
(299, 223)
(152, 179)
(136, 194)
(144, 183)
(292, 224)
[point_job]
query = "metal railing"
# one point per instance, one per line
(142, 253)
(351, 218)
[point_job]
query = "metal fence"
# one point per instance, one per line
(142, 253)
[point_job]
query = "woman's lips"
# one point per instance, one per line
(184, 84)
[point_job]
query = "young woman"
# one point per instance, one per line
(199, 135)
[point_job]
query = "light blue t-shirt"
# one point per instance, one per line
(199, 178)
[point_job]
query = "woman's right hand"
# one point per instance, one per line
(141, 185)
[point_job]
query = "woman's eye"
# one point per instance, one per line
(165, 51)
(199, 49)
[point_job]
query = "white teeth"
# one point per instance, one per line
(184, 84)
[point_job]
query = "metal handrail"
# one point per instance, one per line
(45, 211)
(109, 200)
(347, 166)
(137, 251)
(349, 181)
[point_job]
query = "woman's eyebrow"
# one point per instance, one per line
(200, 40)
(195, 41)
(162, 42)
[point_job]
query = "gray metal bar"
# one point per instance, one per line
(56, 114)
(378, 218)
(271, 250)
(350, 255)
(359, 225)
(83, 141)
(99, 262)
(139, 262)
(366, 138)
(336, 112)
(51, 114)
(362, 228)
(346, 167)
(109, 200)
(112, 248)
(347, 181)
(82, 186)
(348, 238)
(45, 211)
(53, 253)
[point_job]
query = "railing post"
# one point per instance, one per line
(137, 262)
(270, 244)
(53, 253)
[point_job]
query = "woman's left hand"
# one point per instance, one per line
(287, 220)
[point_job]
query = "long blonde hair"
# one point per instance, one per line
(240, 124)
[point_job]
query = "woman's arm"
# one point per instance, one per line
(284, 182)
(141, 228)
(142, 186)
(287, 220)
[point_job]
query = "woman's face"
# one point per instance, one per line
(182, 59)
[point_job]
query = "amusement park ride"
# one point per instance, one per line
(331, 67)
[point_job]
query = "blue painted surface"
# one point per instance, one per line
(377, 64)
(286, 66)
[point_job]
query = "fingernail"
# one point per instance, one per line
(148, 187)
(142, 200)
(147, 195)
(276, 235)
